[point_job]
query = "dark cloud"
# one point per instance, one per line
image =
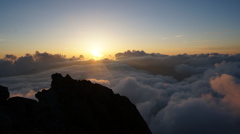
(10, 57)
(33, 63)
(135, 53)
(178, 66)
(175, 94)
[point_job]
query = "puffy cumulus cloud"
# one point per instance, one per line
(178, 66)
(139, 92)
(226, 85)
(175, 94)
(10, 57)
(193, 115)
(48, 58)
(10, 65)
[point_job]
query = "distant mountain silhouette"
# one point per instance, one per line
(70, 107)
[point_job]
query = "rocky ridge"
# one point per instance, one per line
(70, 107)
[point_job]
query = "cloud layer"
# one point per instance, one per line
(12, 65)
(175, 94)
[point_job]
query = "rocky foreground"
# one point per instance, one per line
(70, 107)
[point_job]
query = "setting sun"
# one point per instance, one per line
(96, 54)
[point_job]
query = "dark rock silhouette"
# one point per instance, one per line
(71, 107)
(4, 94)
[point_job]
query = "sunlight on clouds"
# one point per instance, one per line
(226, 85)
(102, 82)
(30, 94)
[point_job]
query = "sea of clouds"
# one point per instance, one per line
(180, 94)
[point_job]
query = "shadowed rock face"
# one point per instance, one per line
(72, 107)
(4, 94)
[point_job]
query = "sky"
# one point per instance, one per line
(74, 27)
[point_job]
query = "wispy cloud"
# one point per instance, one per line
(178, 36)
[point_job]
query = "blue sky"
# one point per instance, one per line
(75, 27)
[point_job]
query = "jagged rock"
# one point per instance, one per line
(75, 107)
(4, 94)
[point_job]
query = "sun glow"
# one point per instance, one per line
(96, 54)
(96, 47)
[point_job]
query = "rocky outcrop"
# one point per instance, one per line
(4, 119)
(72, 107)
(4, 94)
